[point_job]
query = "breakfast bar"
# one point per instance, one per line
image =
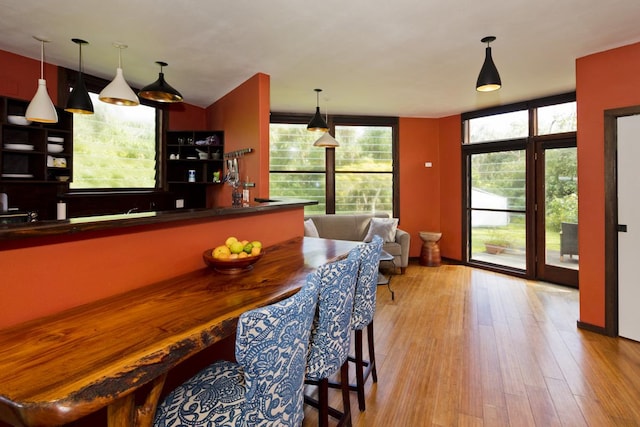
(59, 368)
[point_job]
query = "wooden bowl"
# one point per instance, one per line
(230, 266)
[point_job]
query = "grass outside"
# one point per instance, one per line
(513, 234)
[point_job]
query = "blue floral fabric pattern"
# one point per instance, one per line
(330, 334)
(266, 386)
(364, 304)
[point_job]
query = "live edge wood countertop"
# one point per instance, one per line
(56, 369)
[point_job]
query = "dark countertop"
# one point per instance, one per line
(73, 226)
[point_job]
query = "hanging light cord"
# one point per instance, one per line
(80, 60)
(41, 59)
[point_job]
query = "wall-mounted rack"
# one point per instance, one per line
(238, 153)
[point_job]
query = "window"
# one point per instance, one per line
(364, 169)
(358, 176)
(557, 118)
(499, 127)
(115, 147)
(297, 168)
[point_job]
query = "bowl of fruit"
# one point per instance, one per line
(234, 256)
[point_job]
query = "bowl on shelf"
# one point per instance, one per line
(62, 178)
(57, 139)
(230, 266)
(55, 148)
(18, 120)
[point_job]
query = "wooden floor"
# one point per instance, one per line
(467, 347)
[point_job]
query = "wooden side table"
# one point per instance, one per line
(430, 252)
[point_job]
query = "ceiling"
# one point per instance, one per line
(406, 58)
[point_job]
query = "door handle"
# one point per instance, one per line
(622, 228)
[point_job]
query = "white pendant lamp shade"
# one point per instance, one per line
(41, 108)
(327, 141)
(118, 91)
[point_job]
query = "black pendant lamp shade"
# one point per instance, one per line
(160, 90)
(489, 79)
(79, 101)
(317, 123)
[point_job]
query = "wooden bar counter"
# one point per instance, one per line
(56, 369)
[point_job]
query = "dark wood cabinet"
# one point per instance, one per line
(36, 152)
(198, 151)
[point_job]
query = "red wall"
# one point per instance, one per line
(183, 116)
(430, 197)
(19, 76)
(244, 115)
(451, 187)
(604, 81)
(41, 280)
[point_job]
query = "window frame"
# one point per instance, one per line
(67, 79)
(330, 158)
(527, 143)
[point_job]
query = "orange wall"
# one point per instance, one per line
(419, 185)
(430, 197)
(19, 76)
(41, 280)
(604, 81)
(183, 116)
(244, 115)
(451, 187)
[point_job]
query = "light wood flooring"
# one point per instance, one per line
(466, 347)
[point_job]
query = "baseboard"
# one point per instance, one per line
(593, 328)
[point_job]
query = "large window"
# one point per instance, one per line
(115, 147)
(357, 176)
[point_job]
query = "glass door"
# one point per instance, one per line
(557, 255)
(497, 208)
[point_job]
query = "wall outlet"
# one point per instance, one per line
(179, 203)
(428, 164)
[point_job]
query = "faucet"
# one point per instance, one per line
(131, 210)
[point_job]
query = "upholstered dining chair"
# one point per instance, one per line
(266, 385)
(330, 335)
(364, 307)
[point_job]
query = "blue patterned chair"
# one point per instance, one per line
(364, 307)
(330, 335)
(266, 386)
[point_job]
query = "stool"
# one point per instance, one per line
(430, 252)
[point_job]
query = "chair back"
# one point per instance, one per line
(364, 303)
(271, 346)
(330, 334)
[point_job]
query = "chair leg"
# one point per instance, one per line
(323, 401)
(346, 401)
(359, 369)
(372, 352)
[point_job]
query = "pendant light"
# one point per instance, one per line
(79, 101)
(317, 123)
(160, 90)
(41, 109)
(488, 79)
(327, 141)
(118, 91)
